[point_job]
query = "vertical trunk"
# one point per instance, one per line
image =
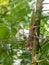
(33, 40)
(36, 32)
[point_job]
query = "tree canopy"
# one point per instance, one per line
(15, 17)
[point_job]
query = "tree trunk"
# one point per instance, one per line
(33, 39)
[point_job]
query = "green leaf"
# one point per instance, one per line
(4, 31)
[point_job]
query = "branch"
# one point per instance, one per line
(38, 61)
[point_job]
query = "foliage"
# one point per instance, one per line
(15, 16)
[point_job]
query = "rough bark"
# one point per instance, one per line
(33, 40)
